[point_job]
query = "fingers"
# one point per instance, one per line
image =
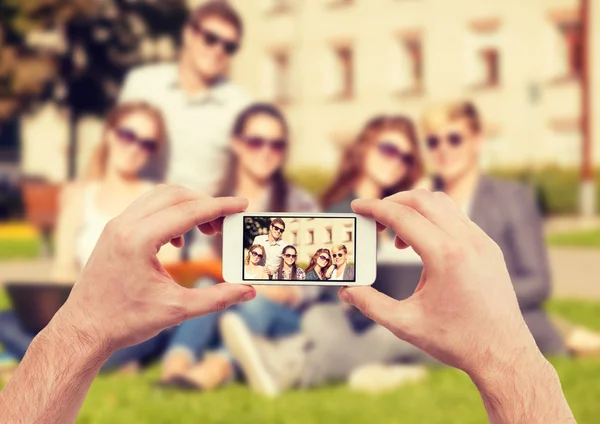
(408, 224)
(212, 227)
(394, 315)
(175, 221)
(436, 207)
(197, 302)
(161, 197)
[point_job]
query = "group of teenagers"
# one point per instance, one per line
(222, 143)
(270, 258)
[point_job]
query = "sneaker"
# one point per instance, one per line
(270, 367)
(378, 378)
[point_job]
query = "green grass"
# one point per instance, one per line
(447, 396)
(19, 249)
(589, 238)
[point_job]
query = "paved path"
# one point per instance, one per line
(576, 271)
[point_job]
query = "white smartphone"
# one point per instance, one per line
(299, 249)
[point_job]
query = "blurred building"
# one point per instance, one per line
(332, 64)
(308, 235)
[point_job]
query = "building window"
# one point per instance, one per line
(277, 77)
(274, 7)
(483, 55)
(294, 237)
(328, 235)
(310, 237)
(566, 50)
(348, 236)
(339, 72)
(406, 66)
(338, 3)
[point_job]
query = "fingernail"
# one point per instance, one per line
(249, 295)
(343, 294)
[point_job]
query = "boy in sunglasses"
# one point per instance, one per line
(198, 101)
(273, 244)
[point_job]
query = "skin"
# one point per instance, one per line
(321, 264)
(288, 262)
(274, 235)
(123, 297)
(383, 171)
(464, 311)
(338, 263)
(203, 64)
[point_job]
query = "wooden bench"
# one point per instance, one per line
(41, 200)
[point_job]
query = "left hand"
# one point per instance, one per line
(124, 295)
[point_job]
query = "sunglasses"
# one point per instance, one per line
(454, 139)
(257, 254)
(212, 39)
(389, 150)
(338, 255)
(258, 143)
(289, 255)
(281, 230)
(323, 257)
(128, 137)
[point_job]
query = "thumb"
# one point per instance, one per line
(206, 300)
(396, 316)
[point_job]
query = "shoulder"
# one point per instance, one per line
(301, 200)
(510, 189)
(152, 73)
(260, 239)
(236, 96)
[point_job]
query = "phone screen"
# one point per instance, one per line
(299, 248)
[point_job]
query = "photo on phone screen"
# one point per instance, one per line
(299, 248)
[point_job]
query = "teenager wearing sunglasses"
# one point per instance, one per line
(383, 160)
(288, 270)
(507, 212)
(257, 155)
(318, 266)
(133, 133)
(254, 268)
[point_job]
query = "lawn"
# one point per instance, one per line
(446, 397)
(589, 238)
(27, 248)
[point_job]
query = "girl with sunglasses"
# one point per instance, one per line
(288, 270)
(133, 134)
(319, 263)
(258, 151)
(255, 263)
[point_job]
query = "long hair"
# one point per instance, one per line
(313, 261)
(252, 249)
(353, 158)
(99, 159)
(294, 267)
(279, 194)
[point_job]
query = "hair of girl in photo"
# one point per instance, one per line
(294, 274)
(262, 252)
(98, 161)
(353, 159)
(279, 193)
(313, 261)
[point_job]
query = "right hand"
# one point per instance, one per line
(464, 311)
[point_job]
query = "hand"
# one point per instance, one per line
(329, 271)
(464, 311)
(268, 270)
(124, 295)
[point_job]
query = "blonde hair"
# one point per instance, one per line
(441, 114)
(252, 249)
(339, 247)
(97, 165)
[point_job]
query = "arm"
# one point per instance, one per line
(531, 280)
(64, 266)
(464, 311)
(51, 382)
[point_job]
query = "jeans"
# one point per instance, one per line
(264, 317)
(16, 341)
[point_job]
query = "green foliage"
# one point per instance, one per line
(254, 227)
(19, 249)
(590, 238)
